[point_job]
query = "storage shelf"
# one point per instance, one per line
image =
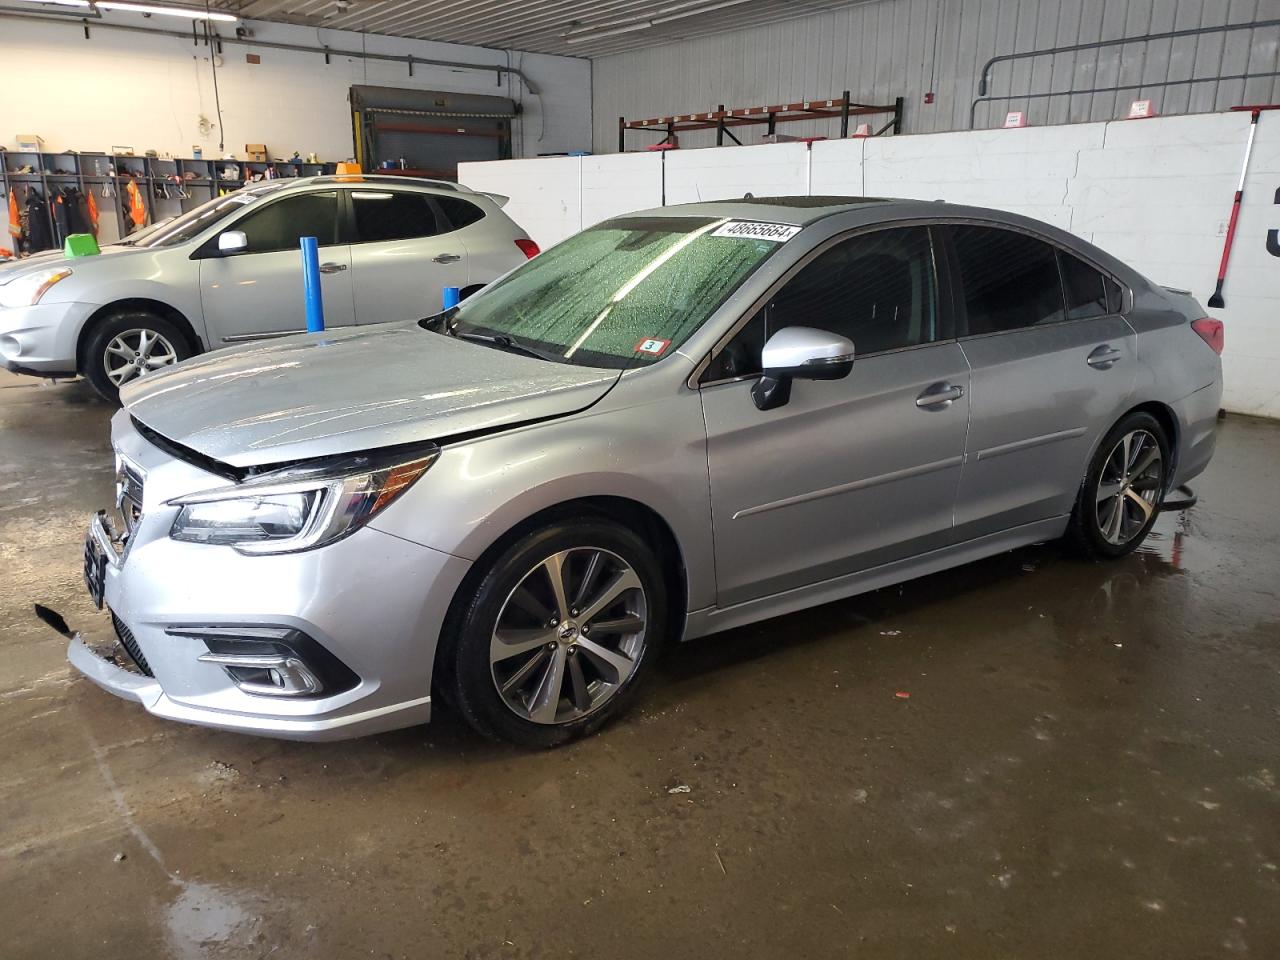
(105, 169)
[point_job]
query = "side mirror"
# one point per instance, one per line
(799, 353)
(232, 241)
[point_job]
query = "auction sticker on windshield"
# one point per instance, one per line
(757, 230)
(653, 346)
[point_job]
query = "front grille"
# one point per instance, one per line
(130, 644)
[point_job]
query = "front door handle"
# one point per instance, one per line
(939, 395)
(446, 258)
(332, 267)
(1103, 357)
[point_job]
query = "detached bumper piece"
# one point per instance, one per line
(269, 661)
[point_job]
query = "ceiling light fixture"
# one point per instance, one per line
(608, 32)
(189, 13)
(62, 3)
(667, 14)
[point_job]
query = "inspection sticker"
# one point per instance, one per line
(757, 230)
(652, 346)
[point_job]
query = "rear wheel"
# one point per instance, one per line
(128, 345)
(1120, 498)
(555, 638)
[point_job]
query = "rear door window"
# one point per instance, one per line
(382, 215)
(1010, 279)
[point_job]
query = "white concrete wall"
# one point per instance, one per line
(150, 92)
(1156, 193)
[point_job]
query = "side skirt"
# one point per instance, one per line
(700, 623)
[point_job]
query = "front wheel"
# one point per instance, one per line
(1120, 498)
(129, 345)
(556, 637)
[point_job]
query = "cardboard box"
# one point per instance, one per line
(30, 143)
(255, 152)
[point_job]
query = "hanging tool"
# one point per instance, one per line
(1216, 301)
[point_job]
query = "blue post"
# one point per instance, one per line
(452, 296)
(311, 294)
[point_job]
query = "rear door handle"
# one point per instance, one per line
(939, 395)
(332, 267)
(1103, 357)
(446, 258)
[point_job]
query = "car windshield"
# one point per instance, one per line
(195, 222)
(626, 292)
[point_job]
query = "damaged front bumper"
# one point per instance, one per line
(324, 644)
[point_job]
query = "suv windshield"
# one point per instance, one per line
(195, 222)
(628, 291)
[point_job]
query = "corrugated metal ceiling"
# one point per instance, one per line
(576, 28)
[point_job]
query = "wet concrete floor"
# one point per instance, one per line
(1088, 765)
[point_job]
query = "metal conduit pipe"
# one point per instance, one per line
(323, 51)
(1098, 44)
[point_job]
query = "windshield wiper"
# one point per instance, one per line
(505, 342)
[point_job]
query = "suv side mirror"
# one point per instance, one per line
(799, 353)
(232, 241)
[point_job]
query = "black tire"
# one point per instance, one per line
(93, 360)
(463, 665)
(1091, 530)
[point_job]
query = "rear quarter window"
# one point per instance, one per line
(460, 213)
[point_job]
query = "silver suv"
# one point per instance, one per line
(230, 271)
(655, 430)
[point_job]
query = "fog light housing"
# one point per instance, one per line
(267, 675)
(268, 661)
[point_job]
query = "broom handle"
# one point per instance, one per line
(1235, 206)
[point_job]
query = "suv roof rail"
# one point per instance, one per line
(385, 178)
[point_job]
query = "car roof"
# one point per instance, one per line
(356, 179)
(793, 210)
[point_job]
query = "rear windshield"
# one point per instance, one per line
(626, 292)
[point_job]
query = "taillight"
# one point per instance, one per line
(1210, 331)
(528, 247)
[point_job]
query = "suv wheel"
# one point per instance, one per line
(556, 636)
(128, 345)
(1120, 498)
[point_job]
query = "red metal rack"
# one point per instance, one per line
(722, 120)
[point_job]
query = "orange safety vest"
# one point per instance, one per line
(15, 220)
(137, 209)
(91, 205)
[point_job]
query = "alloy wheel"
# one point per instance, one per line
(1129, 487)
(135, 353)
(569, 635)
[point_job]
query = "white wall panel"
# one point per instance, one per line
(546, 194)
(620, 183)
(836, 168)
(768, 170)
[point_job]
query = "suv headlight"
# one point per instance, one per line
(26, 291)
(303, 506)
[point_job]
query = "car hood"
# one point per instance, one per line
(341, 392)
(52, 258)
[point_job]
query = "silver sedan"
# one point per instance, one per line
(654, 431)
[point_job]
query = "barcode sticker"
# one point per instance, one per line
(756, 230)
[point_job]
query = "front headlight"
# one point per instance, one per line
(303, 506)
(26, 291)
